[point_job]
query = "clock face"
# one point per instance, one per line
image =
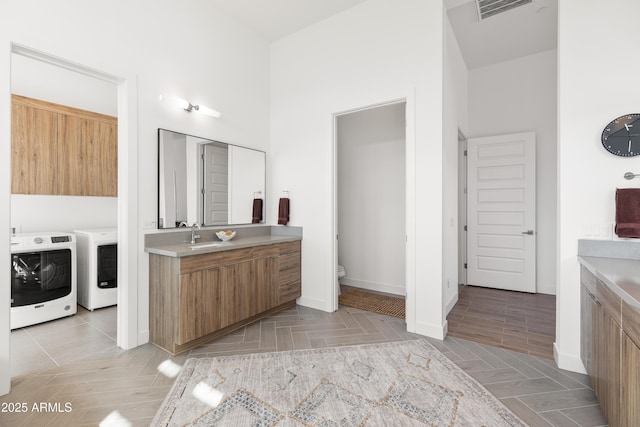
(622, 136)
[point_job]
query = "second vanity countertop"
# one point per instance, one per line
(177, 244)
(615, 264)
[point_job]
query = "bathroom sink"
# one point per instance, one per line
(205, 245)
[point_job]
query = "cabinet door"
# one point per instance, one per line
(87, 157)
(199, 301)
(587, 308)
(265, 293)
(235, 293)
(607, 365)
(33, 150)
(630, 398)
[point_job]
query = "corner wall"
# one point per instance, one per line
(375, 52)
(597, 71)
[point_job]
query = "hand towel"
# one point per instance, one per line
(257, 211)
(628, 212)
(283, 211)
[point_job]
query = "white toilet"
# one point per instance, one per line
(341, 272)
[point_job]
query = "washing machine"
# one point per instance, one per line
(43, 277)
(97, 267)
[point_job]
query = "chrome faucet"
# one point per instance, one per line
(194, 236)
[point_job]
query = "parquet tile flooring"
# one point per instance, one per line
(517, 321)
(129, 382)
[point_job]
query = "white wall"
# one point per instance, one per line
(371, 198)
(377, 51)
(456, 118)
(597, 68)
(31, 213)
(520, 96)
(185, 49)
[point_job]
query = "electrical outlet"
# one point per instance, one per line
(598, 231)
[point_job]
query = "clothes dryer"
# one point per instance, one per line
(97, 267)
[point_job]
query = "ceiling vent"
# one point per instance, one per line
(487, 8)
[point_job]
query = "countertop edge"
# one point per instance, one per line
(608, 277)
(183, 250)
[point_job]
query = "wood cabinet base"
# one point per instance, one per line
(195, 299)
(177, 348)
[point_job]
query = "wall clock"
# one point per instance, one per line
(622, 136)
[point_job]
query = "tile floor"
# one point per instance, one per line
(514, 320)
(109, 379)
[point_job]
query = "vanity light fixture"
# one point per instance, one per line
(189, 107)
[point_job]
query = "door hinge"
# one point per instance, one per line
(202, 191)
(465, 152)
(465, 265)
(465, 228)
(465, 190)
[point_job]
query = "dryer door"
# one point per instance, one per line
(107, 266)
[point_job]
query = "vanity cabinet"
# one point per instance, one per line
(610, 351)
(196, 298)
(60, 150)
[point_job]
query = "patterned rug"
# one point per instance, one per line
(370, 301)
(408, 383)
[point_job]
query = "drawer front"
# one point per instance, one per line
(288, 261)
(631, 322)
(287, 247)
(193, 263)
(611, 303)
(289, 292)
(289, 275)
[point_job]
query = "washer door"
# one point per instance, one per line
(37, 277)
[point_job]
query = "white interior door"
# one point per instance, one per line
(216, 182)
(501, 212)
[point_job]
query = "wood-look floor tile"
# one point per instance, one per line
(565, 399)
(522, 388)
(137, 389)
(588, 416)
(558, 419)
(496, 375)
(525, 413)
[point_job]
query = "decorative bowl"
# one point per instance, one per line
(225, 236)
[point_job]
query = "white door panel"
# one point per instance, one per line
(501, 211)
(216, 179)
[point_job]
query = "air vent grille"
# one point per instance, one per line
(487, 8)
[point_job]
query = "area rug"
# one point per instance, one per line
(407, 383)
(370, 301)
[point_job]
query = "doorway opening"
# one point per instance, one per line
(127, 328)
(371, 200)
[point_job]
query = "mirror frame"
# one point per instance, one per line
(201, 181)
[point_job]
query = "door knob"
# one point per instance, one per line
(529, 232)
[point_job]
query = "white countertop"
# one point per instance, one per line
(622, 276)
(178, 250)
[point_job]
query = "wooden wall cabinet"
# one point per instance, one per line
(197, 298)
(610, 351)
(59, 150)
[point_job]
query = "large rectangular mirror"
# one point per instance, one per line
(208, 182)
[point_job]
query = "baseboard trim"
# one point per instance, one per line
(431, 330)
(568, 362)
(143, 337)
(452, 302)
(548, 289)
(313, 303)
(373, 286)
